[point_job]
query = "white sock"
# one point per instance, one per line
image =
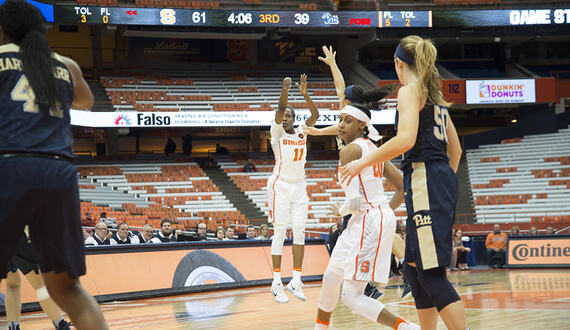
(14, 324)
(297, 275)
(320, 326)
(276, 274)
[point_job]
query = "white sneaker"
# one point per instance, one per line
(408, 326)
(278, 292)
(296, 288)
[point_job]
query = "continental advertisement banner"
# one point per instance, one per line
(159, 268)
(539, 251)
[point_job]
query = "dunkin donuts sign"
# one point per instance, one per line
(542, 251)
(500, 91)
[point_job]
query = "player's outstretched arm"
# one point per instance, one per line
(82, 96)
(330, 60)
(314, 111)
(329, 130)
(283, 99)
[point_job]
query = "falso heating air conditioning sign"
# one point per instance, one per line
(500, 91)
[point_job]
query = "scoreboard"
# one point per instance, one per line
(74, 14)
(67, 14)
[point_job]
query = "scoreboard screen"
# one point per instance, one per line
(504, 17)
(69, 14)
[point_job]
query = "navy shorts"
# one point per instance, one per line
(431, 192)
(43, 194)
(25, 259)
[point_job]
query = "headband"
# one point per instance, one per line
(360, 115)
(401, 54)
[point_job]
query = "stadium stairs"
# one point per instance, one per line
(464, 208)
(232, 193)
(102, 102)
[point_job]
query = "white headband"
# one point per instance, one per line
(360, 115)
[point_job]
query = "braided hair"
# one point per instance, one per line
(26, 27)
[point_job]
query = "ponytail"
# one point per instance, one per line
(424, 54)
(25, 26)
(39, 68)
(376, 97)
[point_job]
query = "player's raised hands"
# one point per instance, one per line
(287, 83)
(329, 58)
(303, 85)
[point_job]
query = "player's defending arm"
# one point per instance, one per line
(314, 111)
(283, 98)
(453, 146)
(330, 60)
(394, 176)
(82, 96)
(352, 202)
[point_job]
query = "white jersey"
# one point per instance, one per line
(290, 152)
(370, 179)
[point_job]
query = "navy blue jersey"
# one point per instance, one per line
(431, 141)
(25, 126)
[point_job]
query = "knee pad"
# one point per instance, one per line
(279, 232)
(353, 297)
(421, 297)
(437, 285)
(332, 280)
(299, 235)
(42, 293)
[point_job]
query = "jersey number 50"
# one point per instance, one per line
(440, 116)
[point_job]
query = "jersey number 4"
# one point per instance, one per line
(440, 116)
(298, 154)
(23, 92)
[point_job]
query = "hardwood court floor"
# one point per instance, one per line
(494, 299)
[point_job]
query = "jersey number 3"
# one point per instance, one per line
(440, 116)
(23, 92)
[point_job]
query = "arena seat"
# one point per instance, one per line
(522, 180)
(214, 87)
(142, 193)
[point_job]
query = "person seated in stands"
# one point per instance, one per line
(263, 232)
(110, 222)
(201, 231)
(533, 231)
(89, 221)
(170, 147)
(496, 244)
(122, 235)
(143, 237)
(550, 231)
(515, 231)
(250, 232)
(249, 166)
(220, 150)
(459, 253)
(165, 234)
(220, 234)
(177, 233)
(334, 232)
(100, 235)
(230, 232)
